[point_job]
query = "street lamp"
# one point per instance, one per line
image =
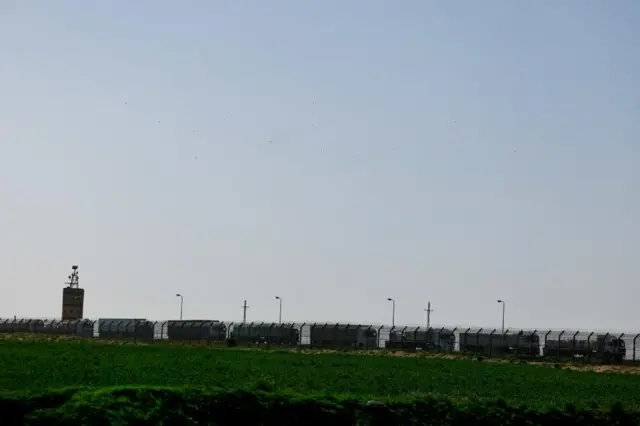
(504, 305)
(393, 315)
(280, 314)
(181, 303)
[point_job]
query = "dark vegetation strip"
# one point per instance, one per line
(191, 406)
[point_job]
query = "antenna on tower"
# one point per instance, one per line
(244, 312)
(72, 298)
(74, 279)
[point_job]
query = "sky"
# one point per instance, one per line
(335, 154)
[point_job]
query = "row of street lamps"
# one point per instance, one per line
(428, 311)
(393, 314)
(277, 298)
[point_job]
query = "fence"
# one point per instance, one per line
(487, 342)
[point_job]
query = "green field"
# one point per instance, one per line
(37, 366)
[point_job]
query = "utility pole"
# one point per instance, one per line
(393, 313)
(244, 312)
(428, 311)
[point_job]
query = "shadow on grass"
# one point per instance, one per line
(197, 406)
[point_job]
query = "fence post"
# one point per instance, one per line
(214, 332)
(625, 348)
(402, 338)
(228, 332)
(346, 333)
(546, 337)
(378, 335)
(534, 334)
(298, 340)
(367, 334)
(249, 332)
(559, 340)
(269, 334)
(573, 344)
(240, 333)
(634, 347)
(426, 339)
(333, 333)
(414, 343)
(491, 342)
(589, 344)
(182, 325)
(478, 339)
(259, 332)
(201, 326)
(206, 329)
(311, 334)
(216, 329)
(451, 347)
(465, 338)
(391, 331)
(504, 337)
(519, 336)
(294, 338)
(248, 328)
(603, 344)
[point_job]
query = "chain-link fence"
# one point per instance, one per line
(585, 346)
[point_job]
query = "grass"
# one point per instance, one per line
(39, 365)
(189, 406)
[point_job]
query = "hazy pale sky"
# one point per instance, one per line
(334, 153)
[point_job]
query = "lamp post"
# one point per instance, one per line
(280, 314)
(181, 303)
(504, 305)
(393, 315)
